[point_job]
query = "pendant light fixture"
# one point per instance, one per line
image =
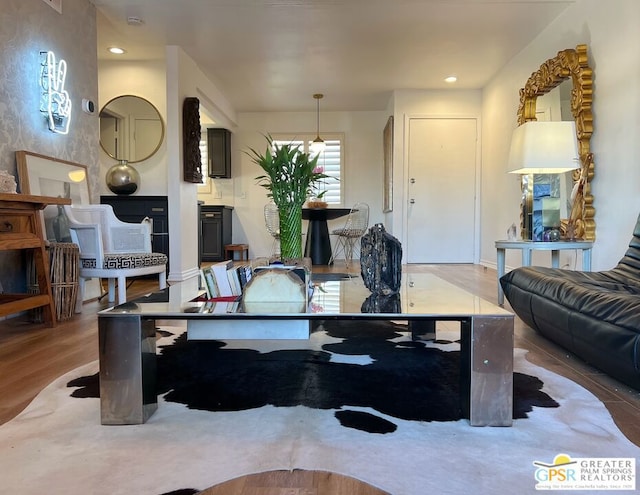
(318, 145)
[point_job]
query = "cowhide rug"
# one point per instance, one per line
(359, 399)
(352, 364)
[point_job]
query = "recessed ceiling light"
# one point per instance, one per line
(116, 50)
(134, 21)
(450, 79)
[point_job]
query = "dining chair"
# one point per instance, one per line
(112, 249)
(350, 233)
(272, 222)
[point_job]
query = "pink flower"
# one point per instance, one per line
(318, 170)
(316, 308)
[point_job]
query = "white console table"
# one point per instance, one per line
(528, 246)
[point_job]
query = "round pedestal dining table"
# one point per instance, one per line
(318, 245)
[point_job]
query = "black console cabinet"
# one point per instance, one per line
(219, 152)
(135, 208)
(214, 231)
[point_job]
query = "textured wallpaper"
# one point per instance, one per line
(26, 28)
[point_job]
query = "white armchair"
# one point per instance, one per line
(112, 249)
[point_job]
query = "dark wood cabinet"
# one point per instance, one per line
(135, 208)
(219, 153)
(214, 231)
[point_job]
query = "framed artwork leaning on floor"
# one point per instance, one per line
(42, 175)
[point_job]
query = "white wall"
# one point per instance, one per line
(608, 28)
(184, 79)
(146, 80)
(422, 103)
(610, 31)
(361, 176)
(28, 27)
(363, 167)
(166, 84)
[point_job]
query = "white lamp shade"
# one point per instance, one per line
(544, 148)
(317, 146)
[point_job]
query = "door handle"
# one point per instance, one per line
(412, 201)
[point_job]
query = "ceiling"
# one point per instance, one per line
(273, 55)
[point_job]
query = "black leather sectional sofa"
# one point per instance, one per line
(596, 315)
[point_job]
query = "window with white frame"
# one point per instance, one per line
(330, 160)
(204, 159)
(205, 184)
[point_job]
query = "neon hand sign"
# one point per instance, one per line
(55, 103)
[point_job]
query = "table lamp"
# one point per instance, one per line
(542, 148)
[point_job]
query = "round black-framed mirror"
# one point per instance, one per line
(131, 128)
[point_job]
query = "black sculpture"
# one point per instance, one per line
(380, 303)
(381, 261)
(191, 144)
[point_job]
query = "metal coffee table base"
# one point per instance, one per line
(128, 368)
(486, 356)
(127, 353)
(486, 367)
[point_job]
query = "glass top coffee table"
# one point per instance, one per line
(127, 350)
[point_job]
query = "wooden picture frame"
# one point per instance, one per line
(387, 185)
(42, 175)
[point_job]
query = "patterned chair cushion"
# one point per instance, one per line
(131, 260)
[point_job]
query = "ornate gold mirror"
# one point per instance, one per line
(568, 65)
(131, 128)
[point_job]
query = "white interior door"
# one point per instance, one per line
(109, 137)
(145, 137)
(442, 188)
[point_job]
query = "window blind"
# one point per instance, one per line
(330, 160)
(204, 157)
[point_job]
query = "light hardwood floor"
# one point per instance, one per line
(31, 356)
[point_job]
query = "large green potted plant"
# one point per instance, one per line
(289, 176)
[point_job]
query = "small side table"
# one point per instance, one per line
(21, 229)
(528, 246)
(241, 249)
